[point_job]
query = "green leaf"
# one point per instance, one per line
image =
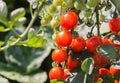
(17, 14)
(117, 5)
(2, 29)
(13, 73)
(116, 39)
(80, 77)
(35, 41)
(3, 80)
(117, 75)
(87, 65)
(57, 81)
(107, 51)
(1, 43)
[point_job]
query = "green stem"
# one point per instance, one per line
(97, 20)
(85, 78)
(25, 32)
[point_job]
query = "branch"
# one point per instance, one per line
(25, 32)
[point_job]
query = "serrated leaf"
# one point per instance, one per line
(80, 77)
(107, 51)
(35, 41)
(87, 65)
(2, 29)
(1, 43)
(3, 80)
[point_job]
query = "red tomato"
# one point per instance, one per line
(59, 55)
(63, 38)
(93, 42)
(66, 71)
(113, 70)
(56, 73)
(106, 41)
(114, 24)
(116, 81)
(78, 44)
(104, 71)
(69, 20)
(72, 64)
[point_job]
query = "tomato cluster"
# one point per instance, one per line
(67, 54)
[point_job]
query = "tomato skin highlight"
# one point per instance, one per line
(63, 38)
(59, 55)
(78, 44)
(56, 73)
(93, 42)
(114, 24)
(68, 20)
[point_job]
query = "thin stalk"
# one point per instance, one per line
(97, 20)
(25, 32)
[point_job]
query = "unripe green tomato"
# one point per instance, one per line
(17, 13)
(87, 12)
(44, 22)
(62, 8)
(70, 3)
(92, 3)
(55, 22)
(57, 2)
(48, 17)
(20, 22)
(102, 17)
(3, 10)
(52, 9)
(79, 5)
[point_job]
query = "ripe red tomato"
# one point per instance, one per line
(59, 55)
(93, 42)
(56, 73)
(114, 24)
(66, 71)
(113, 70)
(106, 41)
(72, 64)
(78, 44)
(116, 81)
(104, 71)
(69, 20)
(63, 38)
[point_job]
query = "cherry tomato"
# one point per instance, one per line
(79, 4)
(54, 22)
(70, 3)
(69, 20)
(78, 44)
(72, 64)
(106, 41)
(63, 38)
(92, 3)
(116, 81)
(59, 55)
(93, 42)
(87, 13)
(66, 71)
(113, 70)
(104, 71)
(52, 9)
(57, 2)
(114, 24)
(56, 73)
